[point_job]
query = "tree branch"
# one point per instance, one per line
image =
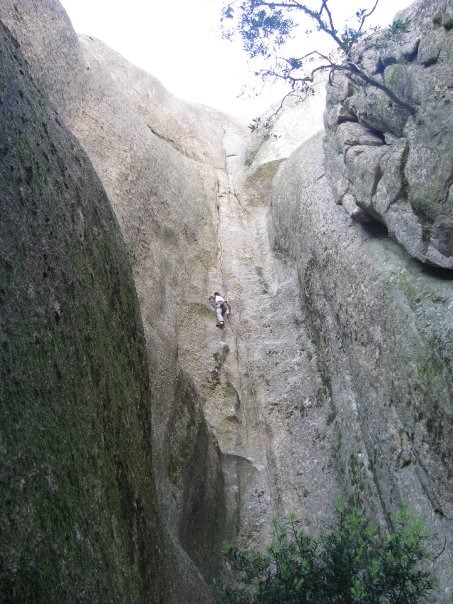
(365, 16)
(329, 14)
(353, 68)
(265, 26)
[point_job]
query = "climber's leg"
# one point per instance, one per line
(218, 312)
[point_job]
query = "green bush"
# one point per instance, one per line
(354, 563)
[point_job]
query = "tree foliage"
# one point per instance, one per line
(268, 30)
(354, 563)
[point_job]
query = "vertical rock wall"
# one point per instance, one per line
(258, 377)
(194, 219)
(78, 510)
(334, 371)
(157, 158)
(381, 325)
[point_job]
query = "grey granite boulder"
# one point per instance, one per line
(79, 519)
(405, 184)
(381, 325)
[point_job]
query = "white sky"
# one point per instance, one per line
(179, 42)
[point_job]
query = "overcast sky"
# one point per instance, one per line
(179, 42)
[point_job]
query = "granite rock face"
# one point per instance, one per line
(79, 518)
(333, 374)
(157, 158)
(194, 218)
(381, 326)
(386, 162)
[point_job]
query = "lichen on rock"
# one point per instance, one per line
(78, 510)
(333, 372)
(415, 204)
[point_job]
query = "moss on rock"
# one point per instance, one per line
(78, 516)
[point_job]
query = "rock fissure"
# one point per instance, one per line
(176, 146)
(333, 373)
(259, 323)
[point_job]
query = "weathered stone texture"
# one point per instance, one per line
(414, 201)
(291, 402)
(193, 220)
(78, 506)
(382, 329)
(157, 157)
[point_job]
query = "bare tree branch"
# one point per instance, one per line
(329, 14)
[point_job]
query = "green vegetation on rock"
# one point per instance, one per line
(355, 562)
(78, 516)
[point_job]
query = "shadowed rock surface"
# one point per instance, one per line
(157, 158)
(333, 373)
(78, 511)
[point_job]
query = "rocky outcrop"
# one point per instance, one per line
(385, 161)
(175, 177)
(334, 370)
(381, 326)
(160, 172)
(158, 159)
(78, 514)
(258, 377)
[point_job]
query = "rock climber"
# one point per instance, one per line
(221, 306)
